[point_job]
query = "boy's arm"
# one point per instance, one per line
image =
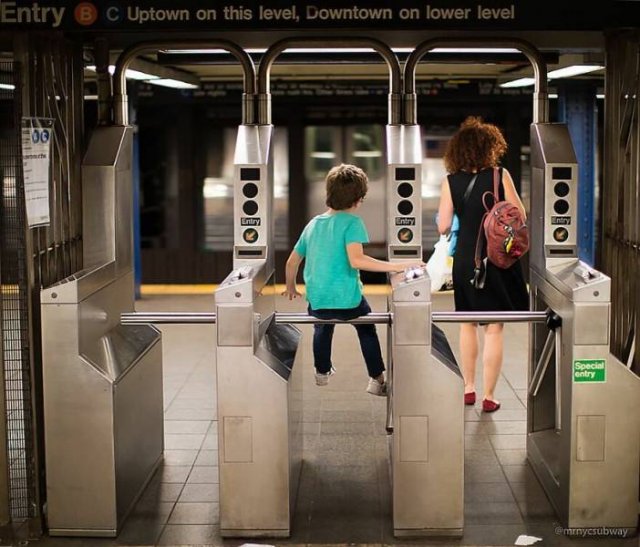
(361, 261)
(291, 272)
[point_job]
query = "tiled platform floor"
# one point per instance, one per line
(344, 495)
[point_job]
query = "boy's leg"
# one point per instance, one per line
(322, 339)
(370, 346)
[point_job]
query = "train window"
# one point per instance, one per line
(217, 189)
(365, 149)
(322, 146)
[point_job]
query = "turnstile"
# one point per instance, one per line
(583, 408)
(259, 407)
(102, 381)
(259, 387)
(427, 457)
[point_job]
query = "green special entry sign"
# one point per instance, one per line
(590, 370)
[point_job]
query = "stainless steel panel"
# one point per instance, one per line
(79, 286)
(414, 438)
(428, 497)
(238, 439)
(108, 198)
(138, 427)
(235, 325)
(590, 434)
(591, 324)
(411, 324)
(404, 171)
(551, 148)
(253, 168)
(78, 414)
(254, 497)
(428, 420)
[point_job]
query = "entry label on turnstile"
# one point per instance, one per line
(590, 370)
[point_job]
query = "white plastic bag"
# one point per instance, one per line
(440, 265)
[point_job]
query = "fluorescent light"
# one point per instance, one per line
(600, 96)
(137, 75)
(573, 70)
(367, 154)
(7, 86)
(292, 50)
(175, 84)
(566, 72)
(90, 97)
(131, 74)
(522, 82)
(323, 155)
(552, 96)
(474, 50)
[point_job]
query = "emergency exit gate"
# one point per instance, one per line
(574, 429)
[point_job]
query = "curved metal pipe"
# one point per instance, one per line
(121, 113)
(540, 97)
(264, 70)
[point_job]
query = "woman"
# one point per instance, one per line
(471, 155)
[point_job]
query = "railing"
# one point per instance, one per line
(137, 318)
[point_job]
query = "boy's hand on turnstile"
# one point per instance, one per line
(291, 293)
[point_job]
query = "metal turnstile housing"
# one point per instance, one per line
(428, 417)
(102, 381)
(103, 409)
(583, 404)
(259, 407)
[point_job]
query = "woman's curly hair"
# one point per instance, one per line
(475, 146)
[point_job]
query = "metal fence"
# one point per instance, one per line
(15, 305)
(621, 192)
(45, 81)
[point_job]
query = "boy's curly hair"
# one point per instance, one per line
(346, 185)
(475, 146)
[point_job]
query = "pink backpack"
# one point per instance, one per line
(504, 228)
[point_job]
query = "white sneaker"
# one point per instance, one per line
(322, 379)
(376, 388)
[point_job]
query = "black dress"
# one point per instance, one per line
(504, 289)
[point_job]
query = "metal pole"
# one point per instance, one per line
(540, 97)
(322, 42)
(121, 113)
(136, 318)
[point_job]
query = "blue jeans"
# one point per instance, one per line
(323, 336)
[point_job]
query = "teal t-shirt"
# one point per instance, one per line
(330, 281)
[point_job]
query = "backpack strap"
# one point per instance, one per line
(469, 189)
(496, 190)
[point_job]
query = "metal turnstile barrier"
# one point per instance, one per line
(102, 381)
(583, 404)
(259, 388)
(427, 456)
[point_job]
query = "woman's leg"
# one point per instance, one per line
(492, 358)
(322, 338)
(469, 354)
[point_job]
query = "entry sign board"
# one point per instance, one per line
(590, 370)
(37, 134)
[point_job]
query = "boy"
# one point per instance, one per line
(331, 243)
